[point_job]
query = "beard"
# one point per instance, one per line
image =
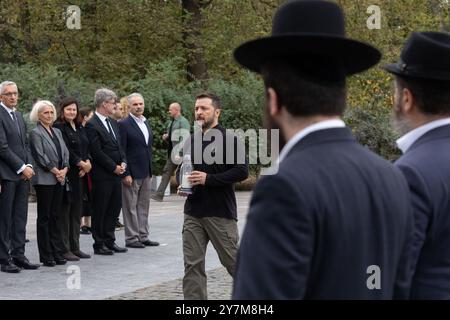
(399, 122)
(270, 124)
(205, 124)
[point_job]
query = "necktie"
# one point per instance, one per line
(13, 115)
(111, 132)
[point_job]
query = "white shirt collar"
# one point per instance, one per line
(322, 125)
(407, 140)
(140, 119)
(102, 117)
(7, 109)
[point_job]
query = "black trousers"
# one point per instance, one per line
(86, 210)
(13, 219)
(106, 206)
(71, 214)
(49, 211)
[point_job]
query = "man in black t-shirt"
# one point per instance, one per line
(210, 211)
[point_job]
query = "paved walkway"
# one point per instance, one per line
(150, 273)
(219, 288)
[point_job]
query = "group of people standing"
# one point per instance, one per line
(69, 156)
(334, 221)
(72, 154)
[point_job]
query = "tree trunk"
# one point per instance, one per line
(192, 25)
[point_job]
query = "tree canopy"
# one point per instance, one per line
(169, 49)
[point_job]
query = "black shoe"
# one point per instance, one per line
(49, 263)
(135, 244)
(150, 243)
(85, 230)
(27, 240)
(60, 261)
(156, 198)
(25, 264)
(103, 251)
(80, 254)
(114, 247)
(10, 268)
(69, 256)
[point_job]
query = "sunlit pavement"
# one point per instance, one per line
(103, 277)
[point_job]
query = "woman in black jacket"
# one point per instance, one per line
(78, 144)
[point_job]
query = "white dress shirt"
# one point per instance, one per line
(103, 120)
(141, 123)
(322, 125)
(406, 141)
(8, 110)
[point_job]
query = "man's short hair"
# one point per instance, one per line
(307, 86)
(4, 84)
(135, 94)
(180, 108)
(102, 95)
(215, 100)
(432, 96)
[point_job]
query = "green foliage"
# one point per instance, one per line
(137, 45)
(241, 100)
(372, 127)
(165, 83)
(45, 82)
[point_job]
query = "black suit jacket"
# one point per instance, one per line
(76, 142)
(14, 149)
(426, 166)
(137, 150)
(317, 227)
(106, 151)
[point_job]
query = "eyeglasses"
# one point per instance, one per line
(10, 94)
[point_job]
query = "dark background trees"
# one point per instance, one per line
(171, 49)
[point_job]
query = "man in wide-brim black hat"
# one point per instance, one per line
(333, 222)
(422, 116)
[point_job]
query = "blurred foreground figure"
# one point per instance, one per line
(422, 116)
(334, 221)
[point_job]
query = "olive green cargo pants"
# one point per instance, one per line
(197, 232)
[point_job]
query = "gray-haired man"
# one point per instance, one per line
(108, 165)
(15, 172)
(136, 140)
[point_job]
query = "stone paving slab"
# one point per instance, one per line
(219, 288)
(102, 277)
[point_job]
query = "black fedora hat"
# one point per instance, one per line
(426, 55)
(308, 27)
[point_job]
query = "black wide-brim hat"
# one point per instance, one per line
(306, 27)
(426, 55)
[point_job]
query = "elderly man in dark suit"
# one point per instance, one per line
(108, 166)
(335, 220)
(422, 116)
(136, 137)
(15, 172)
